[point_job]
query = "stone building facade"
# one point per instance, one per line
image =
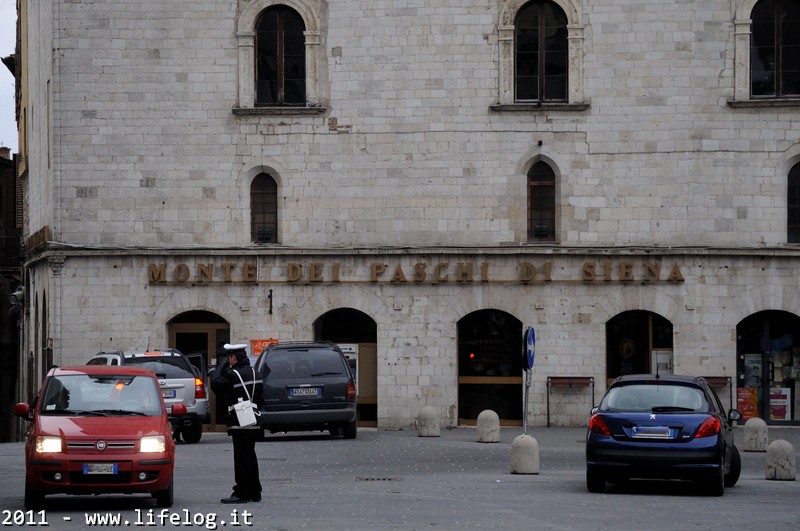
(421, 181)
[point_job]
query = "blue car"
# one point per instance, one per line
(665, 427)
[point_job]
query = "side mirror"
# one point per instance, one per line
(734, 415)
(23, 411)
(179, 409)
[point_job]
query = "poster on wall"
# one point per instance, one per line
(752, 370)
(780, 403)
(747, 402)
(257, 346)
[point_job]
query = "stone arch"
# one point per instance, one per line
(355, 297)
(185, 299)
(250, 170)
(575, 37)
(310, 11)
(524, 165)
(306, 9)
(509, 11)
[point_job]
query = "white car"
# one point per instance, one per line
(180, 383)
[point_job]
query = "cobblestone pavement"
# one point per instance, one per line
(397, 480)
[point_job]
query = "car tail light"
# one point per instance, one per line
(598, 425)
(199, 388)
(351, 390)
(708, 428)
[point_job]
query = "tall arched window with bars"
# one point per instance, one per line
(264, 209)
(541, 203)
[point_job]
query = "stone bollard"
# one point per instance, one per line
(755, 435)
(428, 422)
(488, 427)
(780, 461)
(525, 455)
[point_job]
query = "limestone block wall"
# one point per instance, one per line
(107, 302)
(147, 150)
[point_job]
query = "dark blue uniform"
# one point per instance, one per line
(225, 383)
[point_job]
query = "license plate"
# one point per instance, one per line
(168, 393)
(99, 468)
(652, 432)
(304, 391)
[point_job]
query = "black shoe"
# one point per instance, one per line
(255, 499)
(234, 499)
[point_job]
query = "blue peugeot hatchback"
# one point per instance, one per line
(665, 427)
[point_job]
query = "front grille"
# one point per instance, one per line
(92, 445)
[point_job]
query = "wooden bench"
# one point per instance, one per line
(567, 382)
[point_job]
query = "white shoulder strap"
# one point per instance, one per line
(249, 396)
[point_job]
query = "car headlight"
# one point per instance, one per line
(153, 443)
(48, 444)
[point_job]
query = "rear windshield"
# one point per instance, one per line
(164, 366)
(650, 397)
(106, 394)
(304, 363)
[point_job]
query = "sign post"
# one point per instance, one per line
(529, 352)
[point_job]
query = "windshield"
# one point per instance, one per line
(304, 363)
(655, 397)
(170, 367)
(84, 394)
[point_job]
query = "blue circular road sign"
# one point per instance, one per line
(530, 347)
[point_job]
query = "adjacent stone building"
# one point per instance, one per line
(422, 181)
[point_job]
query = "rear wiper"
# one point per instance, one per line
(665, 409)
(325, 373)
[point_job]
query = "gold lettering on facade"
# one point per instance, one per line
(464, 272)
(157, 273)
(315, 272)
(419, 272)
(377, 270)
(205, 273)
(625, 271)
(652, 271)
(438, 276)
(228, 268)
(527, 272)
(398, 275)
(675, 275)
(250, 272)
(294, 272)
(181, 273)
(588, 271)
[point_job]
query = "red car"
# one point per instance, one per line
(96, 430)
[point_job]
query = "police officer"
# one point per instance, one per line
(226, 384)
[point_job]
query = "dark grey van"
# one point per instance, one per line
(308, 386)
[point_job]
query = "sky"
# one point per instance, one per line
(8, 30)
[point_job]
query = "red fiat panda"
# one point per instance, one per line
(98, 429)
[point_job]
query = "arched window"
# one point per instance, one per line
(280, 58)
(775, 49)
(540, 53)
(793, 206)
(264, 209)
(541, 203)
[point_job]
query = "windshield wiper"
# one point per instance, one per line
(107, 412)
(73, 412)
